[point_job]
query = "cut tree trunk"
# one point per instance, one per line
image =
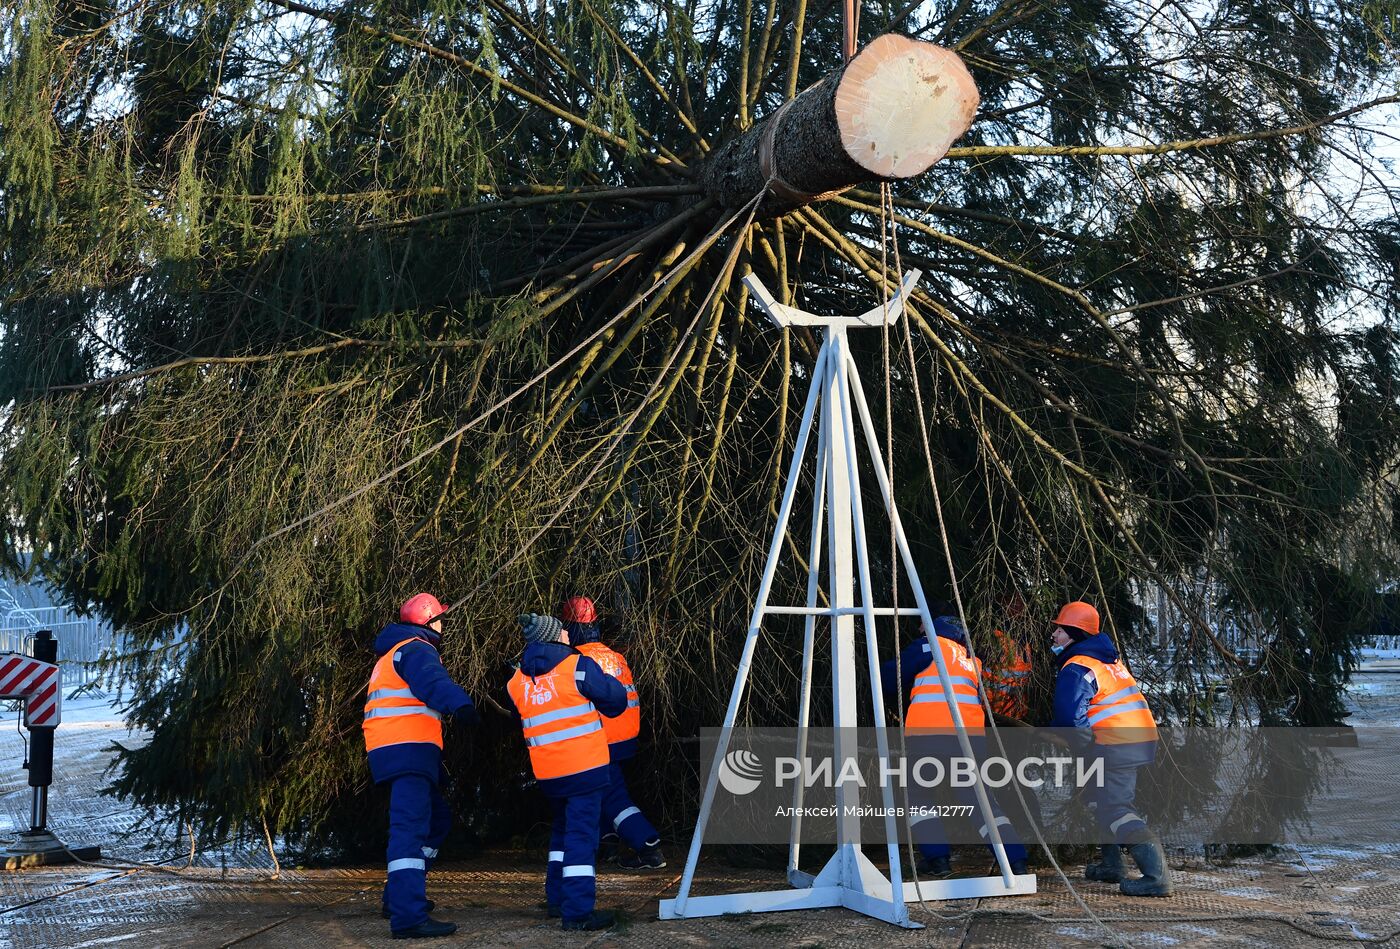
(891, 112)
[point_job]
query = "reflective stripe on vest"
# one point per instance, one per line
(393, 715)
(587, 728)
(929, 707)
(562, 728)
(1118, 713)
(628, 725)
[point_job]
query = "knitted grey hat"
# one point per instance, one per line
(539, 629)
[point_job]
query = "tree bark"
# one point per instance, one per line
(890, 113)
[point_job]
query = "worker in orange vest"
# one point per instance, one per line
(1008, 676)
(620, 817)
(563, 697)
(1098, 698)
(931, 733)
(408, 693)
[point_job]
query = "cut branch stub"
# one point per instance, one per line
(890, 113)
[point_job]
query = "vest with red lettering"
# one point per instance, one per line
(1008, 679)
(928, 706)
(393, 716)
(1118, 712)
(628, 725)
(562, 728)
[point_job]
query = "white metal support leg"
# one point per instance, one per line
(849, 878)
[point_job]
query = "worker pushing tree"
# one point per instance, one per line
(1010, 663)
(931, 733)
(562, 697)
(408, 693)
(1098, 697)
(620, 816)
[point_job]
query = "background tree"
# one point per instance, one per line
(307, 307)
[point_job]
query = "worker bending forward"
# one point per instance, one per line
(408, 693)
(620, 816)
(932, 733)
(1098, 696)
(562, 697)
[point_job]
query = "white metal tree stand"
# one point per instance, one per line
(849, 878)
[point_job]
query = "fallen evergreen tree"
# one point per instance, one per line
(308, 307)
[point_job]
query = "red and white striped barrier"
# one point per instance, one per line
(35, 681)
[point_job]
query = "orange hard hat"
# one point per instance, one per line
(421, 608)
(1080, 615)
(578, 609)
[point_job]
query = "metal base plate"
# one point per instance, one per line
(43, 849)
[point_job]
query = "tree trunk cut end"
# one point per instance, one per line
(901, 104)
(889, 113)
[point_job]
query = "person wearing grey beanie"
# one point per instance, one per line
(538, 628)
(561, 695)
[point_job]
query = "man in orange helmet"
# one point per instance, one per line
(408, 693)
(1096, 695)
(620, 817)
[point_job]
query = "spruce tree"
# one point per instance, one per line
(310, 306)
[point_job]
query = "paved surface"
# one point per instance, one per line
(229, 897)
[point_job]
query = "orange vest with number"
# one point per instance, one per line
(928, 707)
(562, 728)
(393, 715)
(1006, 684)
(628, 725)
(1118, 712)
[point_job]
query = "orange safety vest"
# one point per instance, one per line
(928, 707)
(393, 714)
(628, 725)
(1006, 685)
(562, 728)
(1118, 713)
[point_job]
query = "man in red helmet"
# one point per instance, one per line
(1098, 698)
(620, 817)
(409, 692)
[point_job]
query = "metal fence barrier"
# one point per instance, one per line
(82, 641)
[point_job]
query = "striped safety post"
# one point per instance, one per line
(36, 680)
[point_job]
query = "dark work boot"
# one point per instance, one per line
(1156, 879)
(598, 919)
(1020, 867)
(939, 868)
(427, 929)
(1108, 868)
(648, 858)
(384, 908)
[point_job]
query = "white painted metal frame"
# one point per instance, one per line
(849, 878)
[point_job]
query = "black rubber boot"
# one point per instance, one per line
(552, 910)
(938, 868)
(1156, 879)
(650, 858)
(1108, 868)
(427, 929)
(598, 919)
(384, 910)
(1020, 867)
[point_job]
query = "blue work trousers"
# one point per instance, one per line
(569, 881)
(930, 835)
(622, 817)
(1114, 811)
(419, 820)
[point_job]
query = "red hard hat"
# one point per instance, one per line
(1080, 615)
(578, 609)
(421, 608)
